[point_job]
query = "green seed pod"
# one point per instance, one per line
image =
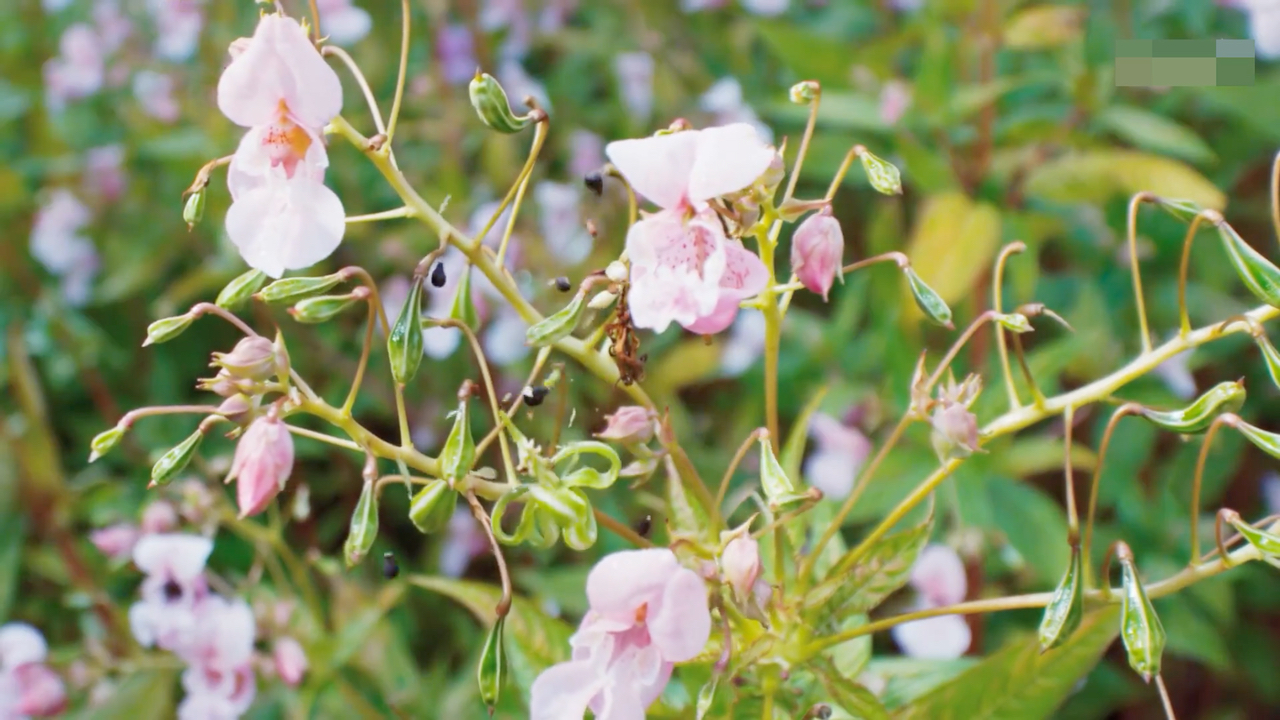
(364, 525)
(706, 696)
(432, 506)
(1255, 271)
(581, 534)
(1267, 442)
(492, 659)
(1196, 417)
(293, 289)
(105, 441)
(559, 325)
(459, 453)
(1015, 322)
(175, 460)
(1066, 608)
(587, 476)
(193, 210)
(464, 307)
(404, 346)
(490, 102)
(805, 92)
(1140, 627)
(884, 175)
(525, 528)
(166, 329)
(929, 301)
(1184, 210)
(569, 510)
(778, 488)
(1272, 357)
(1266, 543)
(238, 291)
(322, 309)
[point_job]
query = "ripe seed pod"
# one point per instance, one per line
(1066, 608)
(438, 278)
(1255, 271)
(490, 102)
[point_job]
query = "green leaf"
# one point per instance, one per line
(853, 698)
(1155, 132)
(145, 695)
(1043, 26)
(793, 448)
(1096, 176)
(952, 245)
(808, 55)
(1033, 523)
(1020, 683)
(909, 678)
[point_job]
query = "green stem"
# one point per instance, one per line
(997, 304)
(400, 79)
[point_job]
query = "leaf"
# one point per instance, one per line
(853, 698)
(535, 641)
(1020, 683)
(1096, 176)
(909, 678)
(808, 55)
(1155, 132)
(1034, 524)
(793, 448)
(953, 243)
(1043, 27)
(145, 695)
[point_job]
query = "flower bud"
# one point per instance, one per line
(236, 408)
(955, 431)
(559, 325)
(262, 464)
(176, 459)
(105, 441)
(884, 175)
(290, 290)
(490, 102)
(1014, 322)
(238, 291)
(803, 93)
(364, 525)
(740, 564)
(629, 425)
(253, 358)
(432, 507)
(459, 453)
(602, 300)
(193, 210)
(290, 660)
(323, 308)
(616, 271)
(404, 344)
(817, 251)
(223, 384)
(166, 329)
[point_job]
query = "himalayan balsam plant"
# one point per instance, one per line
(756, 600)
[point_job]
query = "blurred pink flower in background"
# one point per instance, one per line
(1176, 374)
(456, 52)
(586, 154)
(939, 579)
(113, 26)
(342, 21)
(519, 84)
(53, 6)
(560, 220)
(28, 687)
(57, 244)
(104, 176)
(629, 424)
(79, 69)
(219, 677)
(725, 102)
(116, 541)
(174, 585)
(290, 660)
(895, 98)
(154, 92)
(464, 541)
(635, 83)
(178, 26)
(647, 613)
(765, 8)
(1264, 25)
(838, 455)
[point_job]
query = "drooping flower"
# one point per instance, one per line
(938, 577)
(817, 252)
(629, 424)
(343, 21)
(647, 613)
(839, 453)
(684, 268)
(282, 217)
(262, 464)
(175, 584)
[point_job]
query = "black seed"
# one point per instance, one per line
(644, 526)
(437, 275)
(533, 396)
(389, 567)
(172, 590)
(595, 183)
(562, 284)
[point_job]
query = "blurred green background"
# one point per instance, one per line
(1003, 117)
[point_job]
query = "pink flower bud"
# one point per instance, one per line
(629, 424)
(740, 563)
(955, 431)
(817, 251)
(291, 661)
(41, 692)
(159, 517)
(236, 408)
(262, 463)
(253, 358)
(115, 541)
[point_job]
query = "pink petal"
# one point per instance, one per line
(279, 65)
(286, 226)
(676, 269)
(290, 660)
(944, 637)
(562, 692)
(177, 555)
(20, 644)
(729, 158)
(621, 701)
(681, 624)
(43, 692)
(744, 276)
(939, 575)
(657, 167)
(623, 581)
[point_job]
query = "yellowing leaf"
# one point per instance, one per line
(1043, 26)
(1096, 176)
(954, 242)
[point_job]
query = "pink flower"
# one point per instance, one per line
(635, 81)
(41, 692)
(464, 541)
(282, 217)
(20, 644)
(113, 27)
(955, 431)
(219, 652)
(262, 464)
(944, 637)
(740, 563)
(104, 172)
(938, 577)
(115, 541)
(817, 252)
(895, 98)
(456, 51)
(159, 517)
(629, 424)
(838, 456)
(560, 219)
(175, 584)
(647, 613)
(154, 91)
(290, 660)
(586, 153)
(57, 244)
(178, 26)
(79, 70)
(1264, 26)
(342, 21)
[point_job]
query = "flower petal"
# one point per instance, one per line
(20, 643)
(286, 226)
(728, 159)
(623, 581)
(179, 555)
(279, 65)
(657, 167)
(562, 692)
(681, 623)
(939, 575)
(944, 637)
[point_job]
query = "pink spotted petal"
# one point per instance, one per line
(563, 691)
(681, 624)
(729, 158)
(657, 167)
(623, 581)
(744, 276)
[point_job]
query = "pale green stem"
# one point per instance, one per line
(369, 98)
(490, 391)
(1137, 200)
(997, 304)
(339, 442)
(402, 212)
(400, 79)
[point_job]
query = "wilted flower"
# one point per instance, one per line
(290, 660)
(342, 21)
(253, 358)
(837, 458)
(939, 579)
(955, 428)
(684, 268)
(174, 564)
(262, 464)
(629, 424)
(282, 217)
(740, 563)
(817, 252)
(647, 613)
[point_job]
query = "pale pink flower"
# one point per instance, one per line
(154, 92)
(104, 172)
(115, 541)
(586, 153)
(456, 52)
(343, 21)
(519, 84)
(79, 70)
(560, 219)
(290, 660)
(504, 338)
(113, 26)
(262, 464)
(53, 6)
(21, 644)
(838, 455)
(174, 586)
(683, 267)
(41, 692)
(817, 252)
(554, 14)
(629, 424)
(1264, 26)
(57, 243)
(282, 217)
(159, 516)
(178, 26)
(726, 104)
(740, 563)
(1176, 374)
(938, 577)
(955, 431)
(509, 15)
(464, 541)
(635, 81)
(744, 344)
(219, 677)
(944, 637)
(647, 613)
(895, 98)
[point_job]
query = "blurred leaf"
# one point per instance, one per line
(1193, 634)
(1028, 456)
(923, 168)
(1098, 175)
(145, 695)
(1019, 682)
(1043, 26)
(808, 55)
(1034, 524)
(952, 245)
(14, 101)
(690, 361)
(853, 698)
(909, 678)
(1155, 132)
(793, 449)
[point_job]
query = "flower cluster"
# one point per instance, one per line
(28, 687)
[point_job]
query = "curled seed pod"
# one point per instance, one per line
(1255, 271)
(320, 309)
(1195, 418)
(390, 568)
(238, 291)
(1066, 608)
(1184, 210)
(1270, 355)
(491, 104)
(1266, 543)
(1267, 442)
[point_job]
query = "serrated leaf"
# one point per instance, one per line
(1096, 176)
(1018, 682)
(952, 245)
(1155, 132)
